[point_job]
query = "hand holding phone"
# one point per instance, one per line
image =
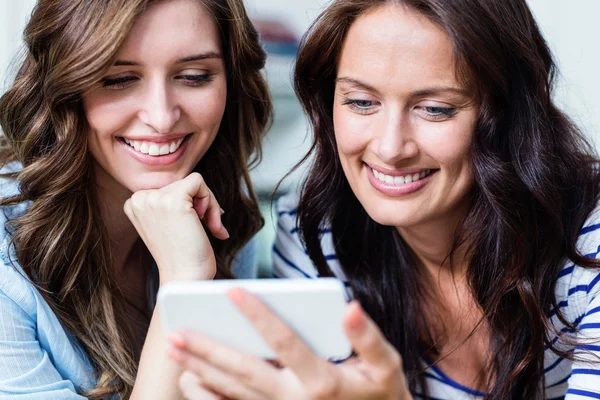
(313, 308)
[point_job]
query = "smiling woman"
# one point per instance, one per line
(131, 127)
(150, 101)
(456, 201)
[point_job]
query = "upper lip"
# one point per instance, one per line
(157, 139)
(398, 172)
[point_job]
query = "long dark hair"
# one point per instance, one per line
(61, 241)
(535, 185)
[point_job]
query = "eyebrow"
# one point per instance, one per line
(418, 93)
(356, 83)
(196, 57)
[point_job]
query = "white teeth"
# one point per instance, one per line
(164, 149)
(154, 149)
(401, 180)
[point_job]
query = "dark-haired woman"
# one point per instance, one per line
(456, 200)
(127, 121)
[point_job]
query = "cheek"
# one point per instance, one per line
(206, 107)
(107, 116)
(449, 144)
(351, 132)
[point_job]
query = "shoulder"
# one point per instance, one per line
(290, 258)
(577, 286)
(14, 284)
(8, 186)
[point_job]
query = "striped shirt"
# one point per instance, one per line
(577, 295)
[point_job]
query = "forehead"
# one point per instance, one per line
(172, 26)
(395, 47)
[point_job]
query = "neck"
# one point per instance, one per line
(111, 197)
(431, 242)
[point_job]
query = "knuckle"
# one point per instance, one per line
(196, 177)
(396, 361)
(393, 369)
(284, 341)
(324, 389)
(137, 200)
(241, 370)
(231, 392)
(167, 201)
(372, 341)
(187, 381)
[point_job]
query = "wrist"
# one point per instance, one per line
(183, 274)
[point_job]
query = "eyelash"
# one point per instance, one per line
(433, 113)
(123, 82)
(439, 113)
(354, 105)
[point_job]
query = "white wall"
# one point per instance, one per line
(571, 27)
(13, 14)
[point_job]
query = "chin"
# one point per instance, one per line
(391, 216)
(155, 181)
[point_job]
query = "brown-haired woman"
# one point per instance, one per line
(162, 99)
(457, 201)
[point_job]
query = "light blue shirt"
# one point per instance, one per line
(39, 358)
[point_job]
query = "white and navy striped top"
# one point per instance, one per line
(577, 295)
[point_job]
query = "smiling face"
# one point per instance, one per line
(159, 107)
(403, 122)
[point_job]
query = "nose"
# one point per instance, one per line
(396, 139)
(160, 109)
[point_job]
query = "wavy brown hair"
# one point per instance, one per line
(535, 185)
(61, 242)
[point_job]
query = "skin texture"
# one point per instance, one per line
(160, 97)
(155, 93)
(398, 108)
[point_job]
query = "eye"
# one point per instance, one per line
(119, 82)
(438, 113)
(359, 106)
(195, 79)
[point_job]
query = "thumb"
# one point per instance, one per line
(368, 341)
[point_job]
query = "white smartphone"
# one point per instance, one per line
(314, 308)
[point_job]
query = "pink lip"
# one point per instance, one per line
(163, 160)
(397, 190)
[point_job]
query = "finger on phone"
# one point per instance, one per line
(290, 349)
(219, 371)
(252, 371)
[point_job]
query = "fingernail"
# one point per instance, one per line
(357, 319)
(176, 355)
(236, 295)
(177, 340)
(222, 211)
(224, 232)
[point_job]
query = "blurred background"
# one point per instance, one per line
(570, 27)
